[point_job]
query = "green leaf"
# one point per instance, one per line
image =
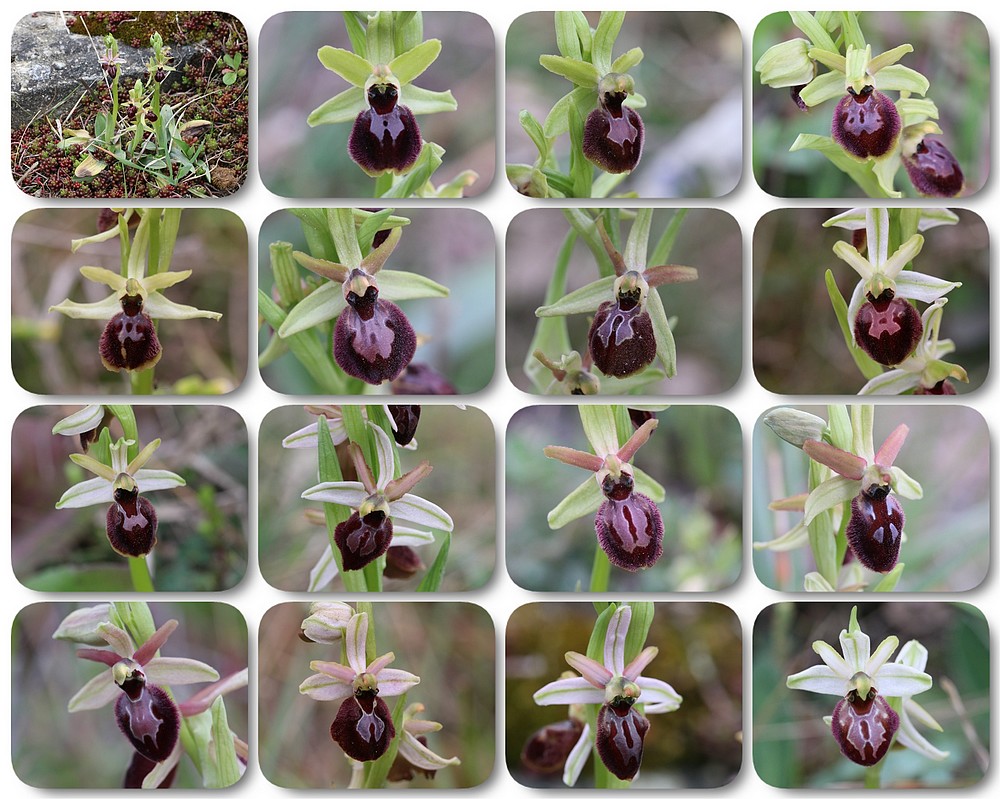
(380, 41)
(342, 108)
(345, 237)
(811, 27)
(585, 34)
(853, 35)
(557, 121)
(329, 471)
(581, 171)
(888, 583)
(585, 299)
(534, 130)
(566, 37)
(638, 628)
(427, 163)
(666, 349)
(305, 347)
(424, 101)
(286, 273)
(408, 30)
(435, 574)
(352, 68)
(638, 240)
(841, 432)
(579, 72)
(599, 428)
(861, 172)
(356, 33)
(865, 364)
(414, 62)
(551, 336)
(605, 35)
(665, 244)
(225, 765)
(595, 646)
(627, 60)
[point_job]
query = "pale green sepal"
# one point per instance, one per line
(811, 27)
(828, 86)
(579, 72)
(898, 78)
(906, 252)
(396, 285)
(816, 582)
(605, 35)
(567, 40)
(345, 236)
(889, 581)
(635, 100)
(829, 494)
(221, 767)
(904, 485)
(638, 240)
(849, 254)
(666, 349)
(585, 299)
(159, 307)
(344, 107)
(840, 427)
(581, 501)
(324, 571)
(831, 59)
(819, 679)
(891, 383)
(599, 427)
(895, 679)
(321, 305)
(925, 288)
(424, 101)
(859, 171)
(179, 671)
(352, 68)
(413, 62)
(98, 692)
(104, 309)
(627, 60)
(84, 420)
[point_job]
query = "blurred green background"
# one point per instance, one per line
(798, 347)
(951, 49)
(794, 748)
(52, 748)
(947, 546)
(695, 453)
(53, 354)
(460, 447)
(456, 334)
(449, 645)
(708, 333)
(696, 746)
(298, 161)
(201, 537)
(691, 77)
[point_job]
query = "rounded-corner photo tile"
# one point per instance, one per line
(425, 722)
(129, 301)
(871, 301)
(398, 496)
(129, 498)
(382, 104)
(130, 104)
(644, 102)
(636, 301)
(901, 701)
(659, 705)
(330, 280)
(882, 104)
(863, 498)
(657, 508)
(129, 695)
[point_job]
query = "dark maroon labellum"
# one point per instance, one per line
(150, 721)
(151, 117)
(129, 339)
(131, 524)
(933, 170)
(363, 726)
(887, 328)
(621, 338)
(612, 135)
(160, 74)
(373, 340)
(639, 417)
(866, 124)
(111, 70)
(386, 135)
(362, 540)
(875, 529)
(406, 418)
(793, 91)
(629, 527)
(139, 768)
(620, 732)
(939, 388)
(401, 563)
(419, 378)
(863, 728)
(545, 752)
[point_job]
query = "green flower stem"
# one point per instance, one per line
(153, 253)
(383, 183)
(142, 382)
(109, 129)
(141, 580)
(873, 775)
(601, 571)
(329, 471)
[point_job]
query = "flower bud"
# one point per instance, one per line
(795, 426)
(129, 339)
(612, 133)
(401, 563)
(887, 328)
(941, 387)
(628, 525)
(933, 170)
(863, 728)
(866, 124)
(419, 378)
(131, 520)
(385, 137)
(146, 715)
(326, 622)
(373, 340)
(545, 752)
(81, 626)
(620, 733)
(362, 539)
(363, 727)
(875, 530)
(406, 418)
(786, 64)
(139, 768)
